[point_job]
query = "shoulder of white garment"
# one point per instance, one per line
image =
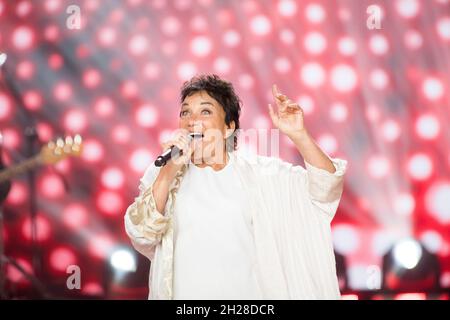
(276, 165)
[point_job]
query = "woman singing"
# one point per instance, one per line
(217, 224)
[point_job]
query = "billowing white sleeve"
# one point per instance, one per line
(325, 188)
(144, 224)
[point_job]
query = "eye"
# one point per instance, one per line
(183, 113)
(206, 111)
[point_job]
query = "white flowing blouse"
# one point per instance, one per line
(290, 210)
(214, 250)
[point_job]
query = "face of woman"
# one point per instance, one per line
(202, 113)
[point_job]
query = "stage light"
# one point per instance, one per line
(346, 239)
(407, 253)
(260, 25)
(407, 8)
(140, 159)
(420, 166)
(123, 260)
(312, 74)
(186, 70)
(287, 36)
(23, 37)
(25, 70)
(75, 216)
(3, 57)
(201, 46)
(222, 65)
(287, 8)
(138, 45)
(315, 43)
(6, 108)
(146, 116)
(343, 78)
(113, 178)
(378, 44)
(315, 13)
(338, 112)
(110, 202)
(93, 150)
(282, 65)
(347, 46)
(408, 265)
(43, 228)
(437, 201)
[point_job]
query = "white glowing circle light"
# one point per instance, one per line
(287, 8)
(347, 46)
(170, 26)
(106, 36)
(282, 65)
(407, 253)
(186, 70)
(379, 167)
(433, 89)
(328, 143)
(315, 43)
(315, 13)
(123, 260)
(260, 25)
(443, 28)
(413, 39)
(407, 8)
(92, 151)
(75, 121)
(338, 112)
(3, 57)
(427, 127)
(379, 79)
(437, 201)
(345, 239)
(140, 160)
(420, 166)
(390, 130)
(222, 65)
(432, 240)
(201, 46)
(23, 37)
(287, 36)
(343, 78)
(138, 45)
(306, 103)
(146, 116)
(404, 204)
(378, 44)
(312, 75)
(113, 178)
(231, 38)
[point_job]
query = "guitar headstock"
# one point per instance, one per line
(60, 149)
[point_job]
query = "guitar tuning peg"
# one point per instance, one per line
(60, 142)
(77, 139)
(69, 140)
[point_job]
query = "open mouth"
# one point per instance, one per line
(196, 135)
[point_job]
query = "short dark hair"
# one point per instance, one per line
(223, 92)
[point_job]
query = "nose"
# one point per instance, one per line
(195, 124)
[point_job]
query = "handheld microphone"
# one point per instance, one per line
(174, 151)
